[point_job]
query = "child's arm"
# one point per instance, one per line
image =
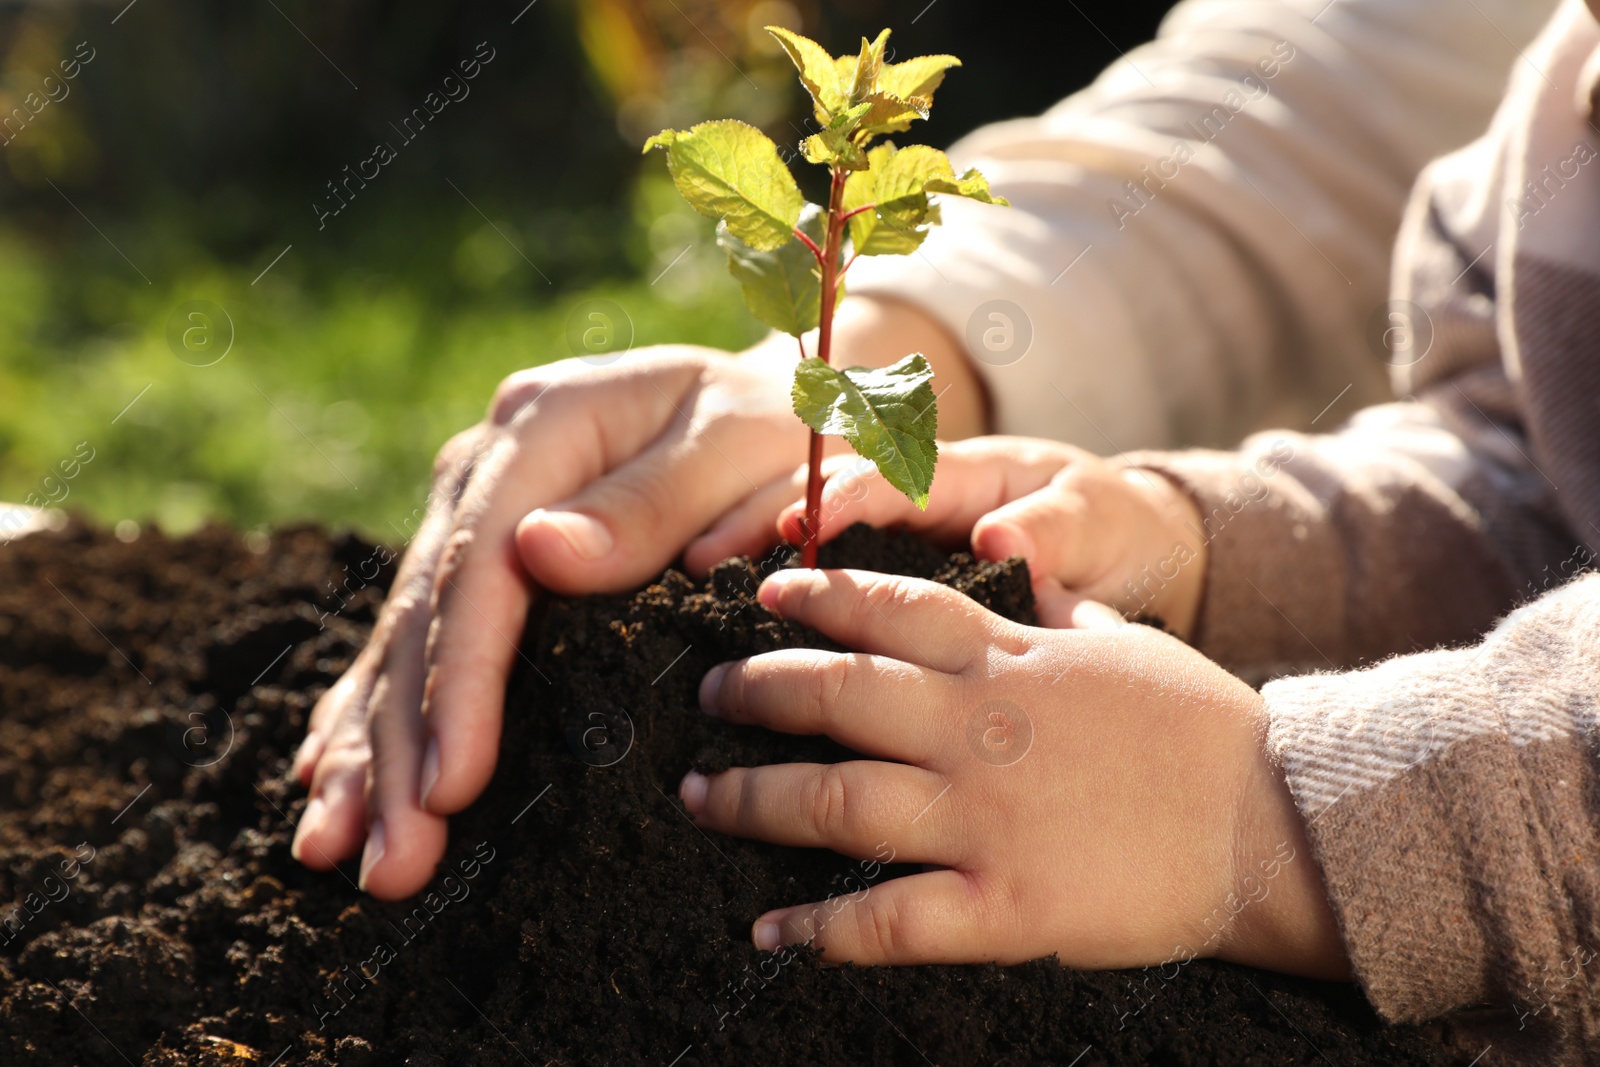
(1450, 798)
(1413, 527)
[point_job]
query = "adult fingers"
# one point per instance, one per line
(406, 612)
(349, 688)
(714, 445)
(567, 432)
(935, 917)
(876, 706)
(334, 760)
(334, 823)
(975, 476)
(908, 619)
(749, 528)
(851, 807)
(404, 842)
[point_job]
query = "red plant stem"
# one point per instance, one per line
(809, 243)
(829, 262)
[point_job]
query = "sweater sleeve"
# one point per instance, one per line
(1412, 527)
(1207, 227)
(1453, 803)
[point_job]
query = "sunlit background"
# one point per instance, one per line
(165, 157)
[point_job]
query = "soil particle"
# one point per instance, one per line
(151, 695)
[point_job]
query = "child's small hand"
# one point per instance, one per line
(1121, 536)
(1100, 794)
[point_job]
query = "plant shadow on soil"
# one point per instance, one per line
(151, 695)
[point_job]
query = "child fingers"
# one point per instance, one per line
(907, 619)
(1049, 528)
(852, 492)
(974, 477)
(1060, 610)
(851, 807)
(877, 706)
(935, 917)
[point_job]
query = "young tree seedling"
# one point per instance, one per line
(790, 257)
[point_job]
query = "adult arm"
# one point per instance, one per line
(1232, 291)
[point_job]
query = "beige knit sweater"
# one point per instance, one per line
(1198, 240)
(1451, 786)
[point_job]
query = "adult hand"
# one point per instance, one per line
(1103, 794)
(581, 479)
(589, 478)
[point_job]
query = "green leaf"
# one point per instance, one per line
(890, 114)
(971, 184)
(731, 171)
(833, 145)
(818, 71)
(888, 415)
(915, 78)
(898, 183)
(864, 79)
(834, 150)
(783, 289)
(895, 181)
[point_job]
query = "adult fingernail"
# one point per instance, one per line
(587, 537)
(311, 822)
(310, 752)
(430, 770)
(373, 854)
(692, 791)
(765, 935)
(711, 688)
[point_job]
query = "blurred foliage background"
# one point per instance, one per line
(189, 157)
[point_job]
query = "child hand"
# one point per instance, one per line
(1100, 794)
(1122, 536)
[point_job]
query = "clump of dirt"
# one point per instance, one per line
(151, 695)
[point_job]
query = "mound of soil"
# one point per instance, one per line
(151, 695)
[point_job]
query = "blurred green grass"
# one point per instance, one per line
(192, 149)
(341, 382)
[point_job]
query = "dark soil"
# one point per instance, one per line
(151, 695)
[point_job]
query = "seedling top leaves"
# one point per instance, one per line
(790, 257)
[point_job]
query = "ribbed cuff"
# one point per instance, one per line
(1275, 578)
